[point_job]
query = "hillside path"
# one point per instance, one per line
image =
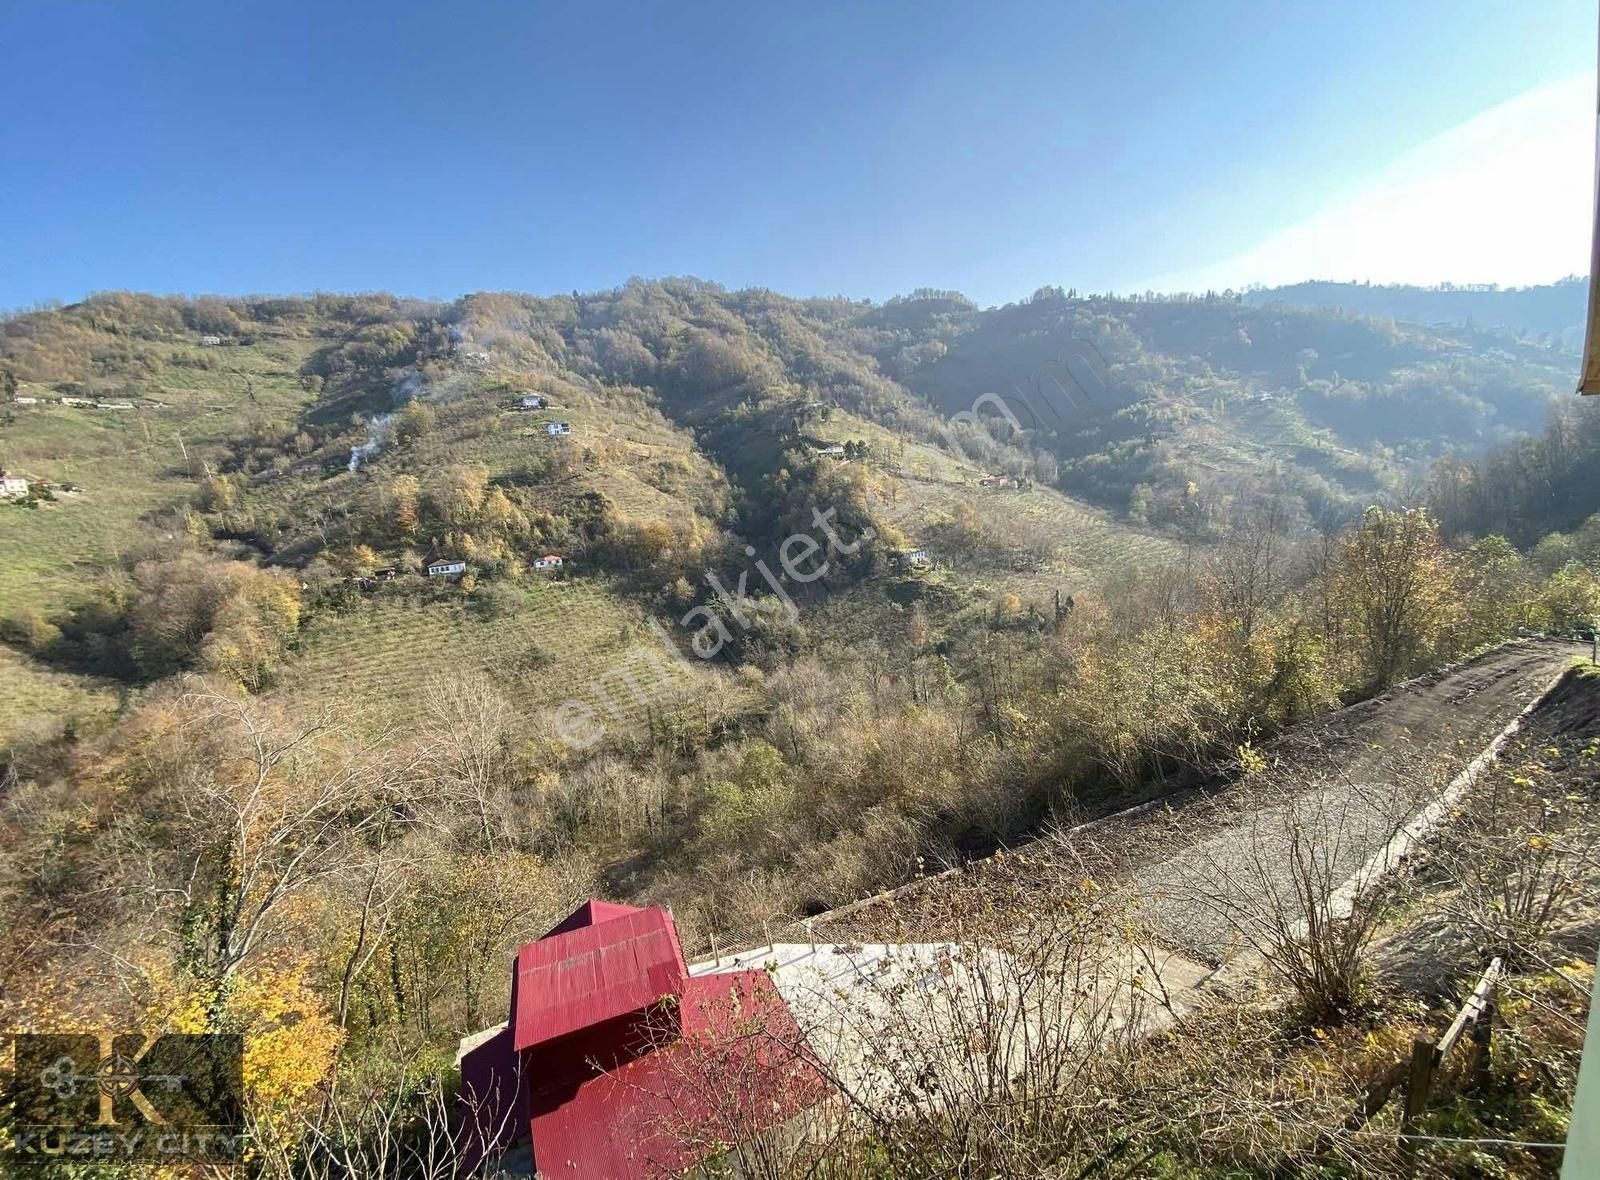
(1348, 780)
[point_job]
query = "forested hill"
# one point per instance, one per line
(1553, 310)
(1533, 490)
(1175, 409)
(1164, 411)
(738, 603)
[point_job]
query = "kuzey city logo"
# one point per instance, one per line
(104, 1098)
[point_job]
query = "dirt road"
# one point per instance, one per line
(1341, 786)
(1365, 767)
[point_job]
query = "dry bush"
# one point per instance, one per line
(401, 1127)
(1524, 852)
(1304, 879)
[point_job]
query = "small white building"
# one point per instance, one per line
(12, 487)
(834, 451)
(25, 401)
(210, 341)
(445, 568)
(532, 401)
(555, 428)
(549, 561)
(918, 559)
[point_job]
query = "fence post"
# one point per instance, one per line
(1482, 1037)
(1419, 1082)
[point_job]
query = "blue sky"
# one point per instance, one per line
(863, 149)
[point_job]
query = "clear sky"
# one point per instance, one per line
(863, 148)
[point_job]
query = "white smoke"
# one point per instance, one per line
(377, 435)
(406, 388)
(409, 387)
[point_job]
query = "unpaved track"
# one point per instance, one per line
(1347, 759)
(1348, 781)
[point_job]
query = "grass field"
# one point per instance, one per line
(129, 463)
(569, 641)
(1085, 544)
(34, 698)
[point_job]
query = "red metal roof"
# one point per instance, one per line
(587, 974)
(613, 1082)
(592, 913)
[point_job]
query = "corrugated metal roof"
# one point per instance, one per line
(613, 1079)
(590, 974)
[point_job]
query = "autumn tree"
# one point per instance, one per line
(244, 810)
(194, 612)
(1570, 599)
(413, 422)
(1395, 582)
(462, 500)
(501, 515)
(404, 494)
(1496, 590)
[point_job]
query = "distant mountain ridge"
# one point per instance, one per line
(1550, 309)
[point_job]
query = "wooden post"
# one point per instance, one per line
(1419, 1083)
(1482, 1036)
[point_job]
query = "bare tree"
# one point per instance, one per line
(1247, 568)
(249, 809)
(401, 1127)
(469, 726)
(1304, 877)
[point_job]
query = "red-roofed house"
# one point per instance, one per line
(617, 1063)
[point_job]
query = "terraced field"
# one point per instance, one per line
(574, 641)
(929, 484)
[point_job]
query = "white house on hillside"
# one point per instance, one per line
(555, 428)
(549, 561)
(532, 401)
(445, 567)
(12, 487)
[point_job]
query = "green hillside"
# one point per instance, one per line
(252, 486)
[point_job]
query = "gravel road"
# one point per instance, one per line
(1346, 782)
(1358, 773)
